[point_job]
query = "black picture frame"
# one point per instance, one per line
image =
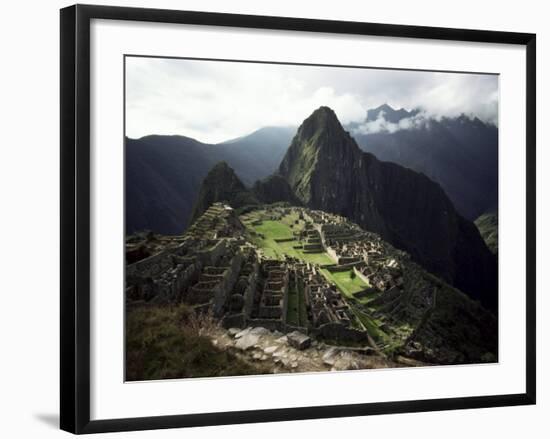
(75, 217)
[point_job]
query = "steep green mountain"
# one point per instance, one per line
(459, 153)
(274, 189)
(164, 173)
(488, 227)
(222, 185)
(328, 171)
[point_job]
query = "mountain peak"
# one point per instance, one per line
(385, 107)
(221, 184)
(222, 176)
(320, 142)
(323, 110)
(221, 167)
(390, 114)
(322, 118)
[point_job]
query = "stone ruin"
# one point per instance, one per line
(213, 267)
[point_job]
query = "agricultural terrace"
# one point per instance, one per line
(266, 232)
(347, 282)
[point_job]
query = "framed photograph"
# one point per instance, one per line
(274, 218)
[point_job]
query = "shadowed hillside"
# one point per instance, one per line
(164, 173)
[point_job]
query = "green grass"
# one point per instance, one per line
(368, 297)
(370, 324)
(292, 314)
(163, 342)
(290, 220)
(272, 230)
(296, 313)
(321, 258)
(348, 285)
(345, 281)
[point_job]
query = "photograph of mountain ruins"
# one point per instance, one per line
(286, 218)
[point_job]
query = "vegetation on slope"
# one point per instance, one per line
(164, 342)
(487, 225)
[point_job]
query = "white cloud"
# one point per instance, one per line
(380, 124)
(214, 101)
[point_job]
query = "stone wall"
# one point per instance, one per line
(227, 283)
(173, 285)
(344, 267)
(251, 290)
(150, 267)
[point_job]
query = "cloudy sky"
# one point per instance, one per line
(214, 101)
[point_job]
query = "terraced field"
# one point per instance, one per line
(268, 232)
(346, 282)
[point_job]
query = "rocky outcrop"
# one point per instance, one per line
(326, 170)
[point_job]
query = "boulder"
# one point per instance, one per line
(259, 331)
(233, 331)
(331, 356)
(279, 354)
(298, 340)
(243, 332)
(271, 349)
(247, 341)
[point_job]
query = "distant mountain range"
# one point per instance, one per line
(164, 173)
(325, 169)
(460, 153)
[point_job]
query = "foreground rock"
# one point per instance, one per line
(298, 340)
(247, 341)
(296, 352)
